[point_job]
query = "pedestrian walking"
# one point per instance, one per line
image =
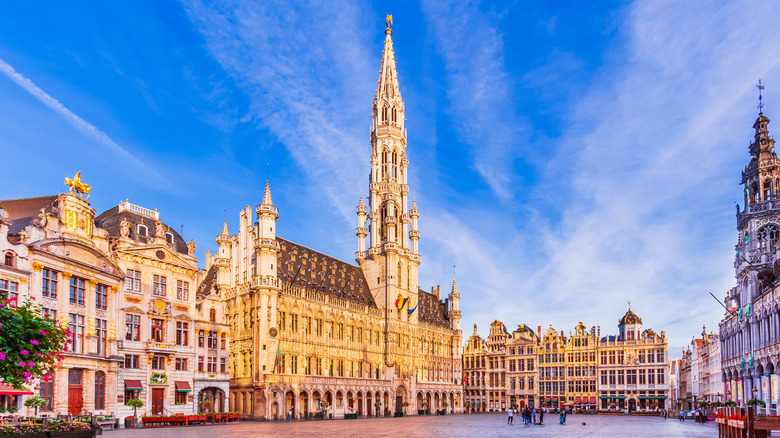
(682, 415)
(510, 415)
(533, 416)
(541, 416)
(289, 415)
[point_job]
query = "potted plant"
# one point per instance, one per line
(444, 411)
(135, 404)
(730, 404)
(755, 402)
(377, 404)
(205, 407)
(36, 402)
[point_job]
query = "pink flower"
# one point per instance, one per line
(22, 364)
(2, 356)
(31, 364)
(39, 354)
(44, 332)
(33, 341)
(24, 352)
(27, 375)
(1, 325)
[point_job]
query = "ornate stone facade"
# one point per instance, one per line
(633, 370)
(75, 280)
(308, 328)
(749, 332)
(581, 363)
(156, 310)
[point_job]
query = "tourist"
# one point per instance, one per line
(682, 415)
(510, 415)
(533, 416)
(289, 415)
(541, 415)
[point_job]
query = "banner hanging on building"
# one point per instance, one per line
(765, 389)
(775, 388)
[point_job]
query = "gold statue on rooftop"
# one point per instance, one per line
(389, 20)
(76, 186)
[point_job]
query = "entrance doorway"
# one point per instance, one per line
(158, 398)
(631, 405)
(75, 394)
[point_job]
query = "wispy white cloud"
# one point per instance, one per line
(82, 125)
(479, 89)
(303, 84)
(651, 164)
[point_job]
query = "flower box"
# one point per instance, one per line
(73, 434)
(766, 425)
(232, 417)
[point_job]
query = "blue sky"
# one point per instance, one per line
(565, 157)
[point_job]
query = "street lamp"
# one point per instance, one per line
(755, 391)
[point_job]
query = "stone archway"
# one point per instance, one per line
(275, 410)
(289, 404)
(369, 403)
(303, 404)
(386, 404)
(214, 395)
(419, 401)
(400, 398)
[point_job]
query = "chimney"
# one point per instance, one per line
(539, 331)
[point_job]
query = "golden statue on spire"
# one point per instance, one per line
(388, 20)
(76, 186)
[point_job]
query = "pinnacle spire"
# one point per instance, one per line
(454, 287)
(267, 195)
(388, 77)
(225, 229)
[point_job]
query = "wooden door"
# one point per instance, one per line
(399, 403)
(75, 400)
(158, 396)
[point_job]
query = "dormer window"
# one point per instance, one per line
(142, 230)
(169, 237)
(9, 259)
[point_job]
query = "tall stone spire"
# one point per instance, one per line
(391, 256)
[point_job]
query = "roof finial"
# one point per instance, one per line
(388, 20)
(629, 304)
(760, 97)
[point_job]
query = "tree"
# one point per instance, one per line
(36, 402)
(30, 346)
(135, 404)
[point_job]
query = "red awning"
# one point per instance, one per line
(555, 398)
(133, 385)
(593, 399)
(577, 399)
(6, 389)
(183, 386)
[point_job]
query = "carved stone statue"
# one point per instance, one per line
(191, 247)
(124, 227)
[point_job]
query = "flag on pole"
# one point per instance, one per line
(278, 361)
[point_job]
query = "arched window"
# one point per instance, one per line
(767, 188)
(384, 114)
(213, 315)
(142, 230)
(394, 114)
(766, 238)
(169, 237)
(100, 390)
(9, 259)
(754, 192)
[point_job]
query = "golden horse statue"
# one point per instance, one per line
(76, 186)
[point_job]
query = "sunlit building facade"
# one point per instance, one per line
(319, 336)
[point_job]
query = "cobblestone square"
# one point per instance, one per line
(479, 425)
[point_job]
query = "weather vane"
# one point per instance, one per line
(629, 304)
(760, 97)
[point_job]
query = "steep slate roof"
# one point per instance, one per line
(205, 286)
(313, 270)
(431, 310)
(25, 210)
(110, 219)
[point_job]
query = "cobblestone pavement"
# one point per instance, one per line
(473, 425)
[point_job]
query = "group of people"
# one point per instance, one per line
(529, 415)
